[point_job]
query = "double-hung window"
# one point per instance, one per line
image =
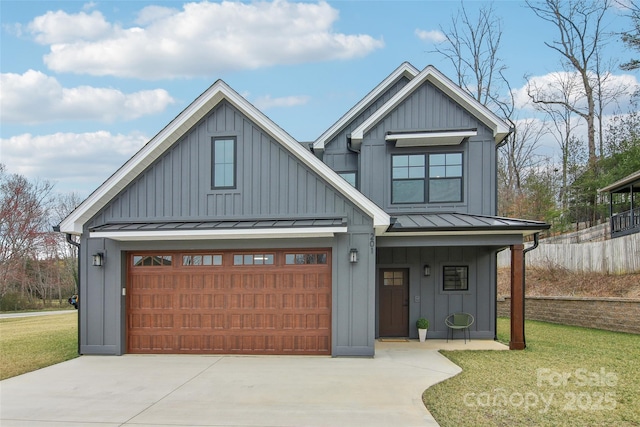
(223, 153)
(407, 178)
(445, 177)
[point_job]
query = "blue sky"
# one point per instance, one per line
(86, 84)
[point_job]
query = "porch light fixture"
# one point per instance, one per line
(98, 259)
(427, 270)
(353, 255)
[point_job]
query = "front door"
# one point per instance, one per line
(394, 302)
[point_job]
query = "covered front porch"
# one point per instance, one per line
(433, 265)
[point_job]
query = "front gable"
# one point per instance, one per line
(158, 181)
(428, 118)
(270, 182)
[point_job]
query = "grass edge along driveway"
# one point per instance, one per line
(567, 376)
(30, 343)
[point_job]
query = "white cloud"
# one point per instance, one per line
(57, 28)
(34, 97)
(199, 40)
(266, 102)
(622, 85)
(433, 36)
(74, 161)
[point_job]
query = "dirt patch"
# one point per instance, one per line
(553, 281)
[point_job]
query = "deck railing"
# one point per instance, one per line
(625, 223)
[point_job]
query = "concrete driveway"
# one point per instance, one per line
(134, 390)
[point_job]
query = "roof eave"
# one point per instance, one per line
(629, 179)
(499, 127)
(404, 70)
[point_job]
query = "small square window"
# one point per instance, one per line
(455, 278)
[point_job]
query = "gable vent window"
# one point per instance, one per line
(223, 173)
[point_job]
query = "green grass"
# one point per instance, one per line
(528, 388)
(30, 343)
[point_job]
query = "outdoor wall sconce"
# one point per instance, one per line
(98, 259)
(353, 255)
(427, 270)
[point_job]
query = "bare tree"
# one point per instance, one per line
(23, 225)
(64, 205)
(561, 123)
(472, 46)
(607, 93)
(632, 38)
(580, 34)
(516, 157)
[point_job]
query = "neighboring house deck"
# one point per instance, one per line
(624, 206)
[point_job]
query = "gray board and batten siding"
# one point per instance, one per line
(430, 108)
(432, 301)
(336, 154)
(271, 184)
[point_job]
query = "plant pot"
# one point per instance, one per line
(422, 333)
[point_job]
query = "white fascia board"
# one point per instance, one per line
(260, 233)
(526, 232)
(500, 127)
(422, 139)
(73, 224)
(405, 69)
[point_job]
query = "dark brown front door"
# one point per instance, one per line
(394, 303)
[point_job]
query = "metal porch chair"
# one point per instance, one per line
(459, 321)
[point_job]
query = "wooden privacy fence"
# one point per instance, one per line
(617, 256)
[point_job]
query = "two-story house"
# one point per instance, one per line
(223, 234)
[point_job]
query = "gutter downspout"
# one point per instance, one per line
(536, 241)
(77, 245)
(349, 147)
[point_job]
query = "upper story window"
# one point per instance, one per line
(407, 178)
(350, 177)
(445, 177)
(410, 182)
(223, 171)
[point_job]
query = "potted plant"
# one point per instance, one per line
(423, 325)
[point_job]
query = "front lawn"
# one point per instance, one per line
(567, 376)
(30, 343)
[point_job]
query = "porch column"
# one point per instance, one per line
(517, 298)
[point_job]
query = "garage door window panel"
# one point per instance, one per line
(305, 259)
(152, 260)
(253, 259)
(201, 260)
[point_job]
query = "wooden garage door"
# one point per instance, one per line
(232, 302)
